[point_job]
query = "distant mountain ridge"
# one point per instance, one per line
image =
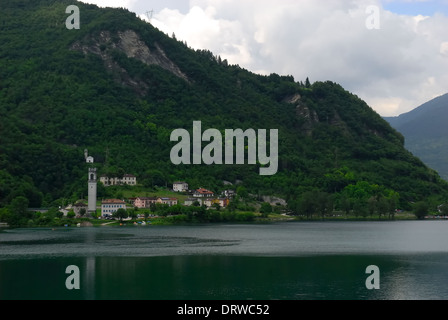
(426, 132)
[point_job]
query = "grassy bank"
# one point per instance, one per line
(209, 216)
(239, 217)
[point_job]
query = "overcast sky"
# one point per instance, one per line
(391, 53)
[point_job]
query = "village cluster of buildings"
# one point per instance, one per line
(199, 197)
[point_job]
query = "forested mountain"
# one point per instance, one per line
(426, 132)
(118, 87)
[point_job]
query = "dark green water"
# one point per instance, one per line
(287, 261)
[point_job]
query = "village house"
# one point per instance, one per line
(223, 202)
(191, 201)
(202, 193)
(78, 209)
(180, 186)
(210, 202)
(110, 206)
(128, 179)
(207, 201)
(169, 201)
(144, 202)
(228, 193)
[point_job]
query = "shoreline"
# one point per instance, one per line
(171, 221)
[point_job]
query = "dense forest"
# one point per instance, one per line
(63, 91)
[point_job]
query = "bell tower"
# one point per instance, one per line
(91, 208)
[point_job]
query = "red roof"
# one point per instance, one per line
(203, 191)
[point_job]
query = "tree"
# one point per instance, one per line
(19, 206)
(132, 213)
(360, 208)
(54, 213)
(393, 201)
(293, 206)
(346, 205)
(443, 209)
(421, 210)
(6, 216)
(242, 192)
(18, 211)
(308, 204)
(265, 209)
(176, 209)
(383, 207)
(373, 203)
(120, 214)
(324, 204)
(232, 205)
(307, 83)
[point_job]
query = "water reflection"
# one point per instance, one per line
(285, 261)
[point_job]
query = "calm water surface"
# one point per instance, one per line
(306, 260)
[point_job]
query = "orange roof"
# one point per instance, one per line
(204, 191)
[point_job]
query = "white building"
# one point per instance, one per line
(180, 186)
(128, 179)
(110, 206)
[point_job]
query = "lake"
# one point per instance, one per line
(286, 261)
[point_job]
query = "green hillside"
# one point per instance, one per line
(119, 87)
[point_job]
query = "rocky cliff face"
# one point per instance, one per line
(129, 43)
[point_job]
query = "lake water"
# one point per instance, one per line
(286, 261)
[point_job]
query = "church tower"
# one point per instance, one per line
(92, 191)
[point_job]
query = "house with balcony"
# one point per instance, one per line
(203, 193)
